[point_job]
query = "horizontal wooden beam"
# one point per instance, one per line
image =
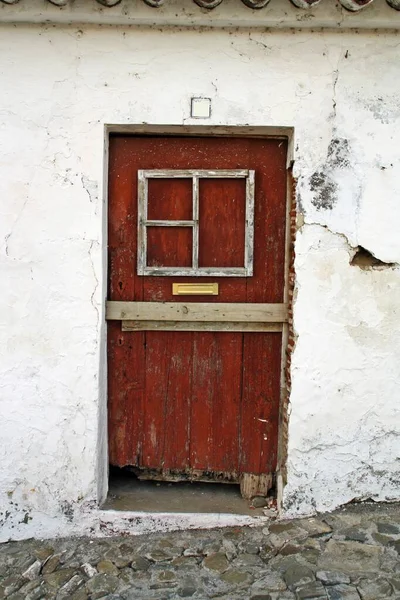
(196, 312)
(199, 326)
(192, 173)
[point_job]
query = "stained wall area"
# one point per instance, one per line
(59, 87)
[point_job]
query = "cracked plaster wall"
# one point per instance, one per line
(59, 87)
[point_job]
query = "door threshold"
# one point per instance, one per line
(129, 494)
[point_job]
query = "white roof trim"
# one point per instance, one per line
(299, 14)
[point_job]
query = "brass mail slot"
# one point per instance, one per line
(195, 289)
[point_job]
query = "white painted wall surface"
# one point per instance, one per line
(59, 86)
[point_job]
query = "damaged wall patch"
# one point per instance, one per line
(366, 260)
(325, 190)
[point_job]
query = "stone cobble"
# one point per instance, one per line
(351, 554)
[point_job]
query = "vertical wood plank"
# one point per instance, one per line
(125, 396)
(167, 400)
(260, 402)
(249, 227)
(141, 219)
(216, 401)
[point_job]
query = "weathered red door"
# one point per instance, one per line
(194, 387)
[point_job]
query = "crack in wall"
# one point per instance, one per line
(8, 235)
(97, 283)
(334, 101)
(359, 256)
(91, 188)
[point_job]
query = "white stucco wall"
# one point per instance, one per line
(59, 86)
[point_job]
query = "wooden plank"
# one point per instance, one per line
(167, 400)
(208, 173)
(260, 402)
(195, 200)
(196, 311)
(255, 485)
(160, 223)
(199, 326)
(141, 227)
(125, 396)
(188, 474)
(215, 402)
(249, 232)
(193, 272)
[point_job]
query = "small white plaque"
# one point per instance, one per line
(200, 108)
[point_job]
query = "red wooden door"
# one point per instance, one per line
(200, 404)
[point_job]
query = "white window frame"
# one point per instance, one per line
(195, 175)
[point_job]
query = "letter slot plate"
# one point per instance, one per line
(195, 289)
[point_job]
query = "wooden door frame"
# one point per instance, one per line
(286, 133)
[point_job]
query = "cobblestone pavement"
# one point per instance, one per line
(351, 554)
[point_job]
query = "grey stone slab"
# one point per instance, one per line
(80, 594)
(372, 589)
(298, 575)
(350, 557)
(70, 587)
(249, 547)
(290, 549)
(229, 548)
(395, 545)
(272, 582)
(11, 584)
(59, 578)
(316, 527)
(290, 534)
(101, 585)
(236, 577)
(216, 562)
(106, 566)
(33, 571)
(158, 556)
(248, 560)
(311, 591)
(395, 583)
(356, 534)
(388, 528)
(342, 592)
(380, 538)
(89, 570)
(140, 564)
(332, 577)
(51, 564)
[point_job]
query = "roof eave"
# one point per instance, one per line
(277, 14)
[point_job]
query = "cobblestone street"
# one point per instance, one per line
(351, 554)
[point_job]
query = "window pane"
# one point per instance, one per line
(169, 246)
(222, 209)
(170, 199)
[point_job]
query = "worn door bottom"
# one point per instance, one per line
(131, 493)
(251, 485)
